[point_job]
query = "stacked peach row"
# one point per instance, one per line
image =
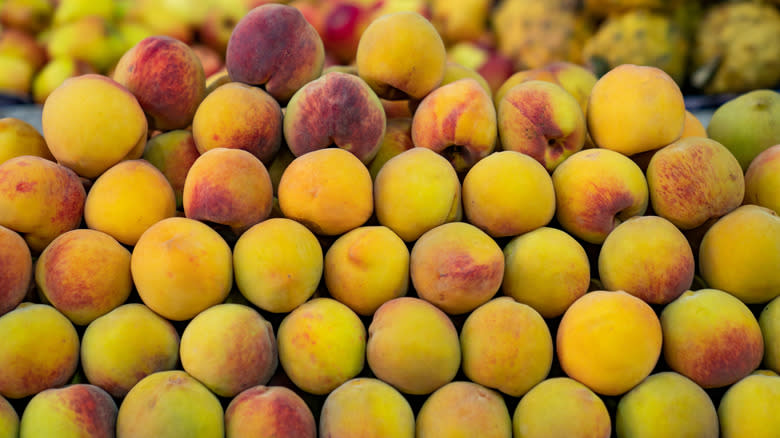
(386, 248)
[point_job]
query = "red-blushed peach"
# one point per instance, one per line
(280, 280)
(456, 266)
(396, 353)
(16, 269)
(657, 112)
(41, 350)
(17, 137)
(84, 274)
(541, 119)
(397, 108)
(274, 411)
(366, 267)
(577, 79)
(125, 345)
(507, 346)
(739, 254)
(648, 257)
(167, 78)
(173, 153)
(79, 409)
(609, 340)
(769, 321)
(482, 57)
(39, 199)
(341, 25)
(366, 407)
(180, 267)
(229, 187)
(397, 138)
(519, 77)
(711, 337)
(561, 407)
(79, 121)
(762, 179)
(9, 419)
(666, 404)
(322, 344)
(694, 179)
(458, 121)
(171, 404)
(54, 73)
(210, 59)
(229, 348)
(595, 190)
(127, 199)
(328, 190)
(239, 116)
(508, 193)
(748, 407)
(410, 64)
(454, 71)
(274, 46)
(693, 126)
(546, 269)
(464, 408)
(416, 191)
(336, 109)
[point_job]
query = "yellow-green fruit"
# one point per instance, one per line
(769, 321)
(464, 409)
(749, 408)
(9, 419)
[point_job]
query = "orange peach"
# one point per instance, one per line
(79, 409)
(693, 126)
(18, 137)
(762, 179)
(464, 409)
(271, 411)
(173, 153)
(16, 269)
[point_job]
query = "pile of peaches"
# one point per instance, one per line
(382, 249)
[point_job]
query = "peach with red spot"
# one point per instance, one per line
(173, 153)
(79, 409)
(271, 410)
(16, 269)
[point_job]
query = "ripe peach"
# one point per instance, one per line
(397, 354)
(127, 199)
(762, 179)
(17, 137)
(464, 409)
(322, 344)
(519, 77)
(454, 71)
(173, 153)
(54, 73)
(711, 337)
(9, 419)
(574, 78)
(769, 321)
(397, 138)
(125, 345)
(16, 269)
(271, 411)
(692, 127)
(747, 408)
(609, 341)
(44, 351)
(79, 409)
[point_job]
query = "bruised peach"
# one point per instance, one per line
(79, 409)
(173, 153)
(269, 410)
(17, 137)
(465, 408)
(16, 269)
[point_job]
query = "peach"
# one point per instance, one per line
(543, 120)
(39, 199)
(322, 344)
(210, 59)
(125, 345)
(738, 254)
(127, 199)
(23, 44)
(282, 159)
(416, 191)
(464, 409)
(506, 345)
(396, 353)
(171, 404)
(457, 120)
(9, 419)
(454, 71)
(80, 124)
(271, 411)
(328, 190)
(692, 127)
(648, 257)
(274, 46)
(84, 274)
(279, 280)
(41, 350)
(595, 190)
(341, 25)
(337, 109)
(16, 269)
(508, 193)
(609, 340)
(229, 187)
(694, 179)
(519, 77)
(769, 321)
(666, 404)
(167, 78)
(17, 137)
(762, 179)
(466, 20)
(17, 76)
(181, 267)
(483, 58)
(561, 407)
(29, 16)
(397, 138)
(173, 153)
(54, 73)
(367, 408)
(574, 78)
(79, 409)
(239, 116)
(657, 109)
(747, 408)
(457, 267)
(366, 267)
(711, 337)
(410, 64)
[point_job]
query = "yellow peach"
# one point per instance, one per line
(16, 269)
(398, 138)
(9, 419)
(748, 408)
(762, 179)
(17, 137)
(464, 409)
(769, 321)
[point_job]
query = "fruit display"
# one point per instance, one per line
(344, 231)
